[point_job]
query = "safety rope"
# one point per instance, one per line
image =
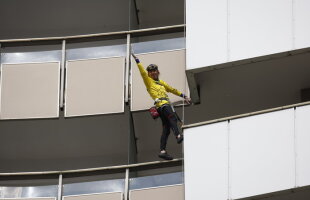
(183, 107)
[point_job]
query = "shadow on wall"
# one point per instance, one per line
(250, 87)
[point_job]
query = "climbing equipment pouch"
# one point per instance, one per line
(154, 113)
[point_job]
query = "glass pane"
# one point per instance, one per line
(31, 54)
(116, 185)
(157, 44)
(27, 192)
(156, 180)
(97, 49)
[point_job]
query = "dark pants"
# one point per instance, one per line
(169, 120)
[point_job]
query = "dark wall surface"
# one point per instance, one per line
(59, 144)
(250, 87)
(45, 18)
(148, 132)
(160, 13)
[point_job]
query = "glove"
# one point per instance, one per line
(135, 57)
(186, 98)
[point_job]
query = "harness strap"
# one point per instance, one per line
(174, 113)
(160, 99)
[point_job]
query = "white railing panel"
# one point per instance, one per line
(301, 23)
(30, 90)
(99, 196)
(259, 27)
(224, 31)
(206, 33)
(94, 86)
(302, 128)
(262, 154)
(173, 192)
(206, 162)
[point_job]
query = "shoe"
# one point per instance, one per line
(180, 139)
(165, 156)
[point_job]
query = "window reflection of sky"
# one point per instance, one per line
(116, 185)
(159, 45)
(26, 192)
(30, 57)
(156, 181)
(96, 52)
(92, 52)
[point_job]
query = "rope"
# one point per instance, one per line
(183, 106)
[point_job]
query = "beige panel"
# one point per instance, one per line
(35, 198)
(102, 196)
(94, 86)
(30, 90)
(171, 65)
(175, 192)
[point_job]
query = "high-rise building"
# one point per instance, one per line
(74, 119)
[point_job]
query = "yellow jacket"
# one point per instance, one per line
(157, 89)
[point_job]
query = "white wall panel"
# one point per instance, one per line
(99, 196)
(230, 30)
(302, 23)
(262, 154)
(206, 33)
(302, 127)
(259, 27)
(206, 162)
(94, 86)
(173, 192)
(30, 90)
(171, 65)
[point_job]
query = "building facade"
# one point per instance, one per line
(74, 119)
